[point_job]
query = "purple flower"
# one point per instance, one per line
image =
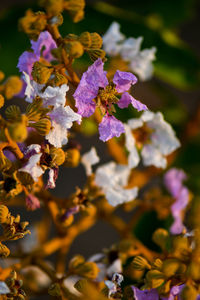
(27, 59)
(145, 294)
(175, 291)
(45, 41)
(32, 202)
(95, 83)
(123, 81)
(110, 127)
(173, 180)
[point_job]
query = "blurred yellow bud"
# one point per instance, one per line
(4, 214)
(1, 101)
(13, 113)
(189, 292)
(4, 251)
(12, 86)
(54, 290)
(85, 39)
(140, 263)
(96, 41)
(72, 158)
(41, 73)
(155, 278)
(43, 126)
(161, 237)
(74, 49)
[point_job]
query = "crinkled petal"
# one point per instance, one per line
(33, 89)
(32, 166)
(133, 157)
(110, 127)
(57, 136)
(123, 81)
(55, 96)
(4, 289)
(153, 157)
(151, 294)
(26, 61)
(173, 180)
(32, 202)
(115, 267)
(53, 175)
(89, 159)
(64, 116)
(87, 90)
(45, 41)
(118, 195)
(163, 136)
(112, 39)
(130, 48)
(126, 99)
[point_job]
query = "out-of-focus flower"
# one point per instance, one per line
(89, 159)
(32, 202)
(174, 293)
(112, 178)
(94, 85)
(42, 47)
(53, 175)
(151, 294)
(114, 285)
(140, 61)
(155, 136)
(4, 289)
(173, 180)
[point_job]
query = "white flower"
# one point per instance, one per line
(54, 95)
(114, 284)
(162, 141)
(32, 166)
(89, 159)
(4, 289)
(112, 38)
(115, 267)
(33, 89)
(140, 61)
(62, 119)
(57, 136)
(112, 178)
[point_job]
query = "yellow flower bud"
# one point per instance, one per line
(76, 9)
(96, 53)
(85, 39)
(43, 126)
(1, 101)
(25, 178)
(96, 41)
(88, 270)
(81, 284)
(140, 263)
(18, 132)
(41, 73)
(161, 237)
(74, 49)
(193, 270)
(4, 251)
(76, 261)
(12, 86)
(4, 214)
(58, 80)
(53, 7)
(2, 76)
(189, 292)
(13, 113)
(155, 278)
(170, 267)
(33, 110)
(72, 158)
(54, 290)
(157, 264)
(58, 156)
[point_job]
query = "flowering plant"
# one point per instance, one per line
(59, 105)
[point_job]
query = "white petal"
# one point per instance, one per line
(34, 147)
(65, 116)
(33, 89)
(112, 39)
(118, 278)
(163, 136)
(116, 196)
(89, 159)
(69, 283)
(116, 267)
(130, 48)
(32, 167)
(135, 123)
(133, 158)
(4, 289)
(54, 95)
(153, 157)
(57, 136)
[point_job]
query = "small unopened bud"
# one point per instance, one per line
(2, 76)
(76, 261)
(13, 113)
(157, 264)
(193, 270)
(12, 86)
(4, 251)
(43, 126)
(189, 292)
(96, 41)
(85, 39)
(160, 237)
(41, 73)
(88, 270)
(75, 9)
(18, 132)
(140, 263)
(81, 284)
(4, 214)
(32, 110)
(74, 49)
(96, 53)
(155, 278)
(54, 290)
(58, 80)
(1, 101)
(58, 156)
(53, 7)
(170, 267)
(72, 158)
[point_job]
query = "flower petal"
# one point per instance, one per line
(46, 41)
(123, 81)
(110, 127)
